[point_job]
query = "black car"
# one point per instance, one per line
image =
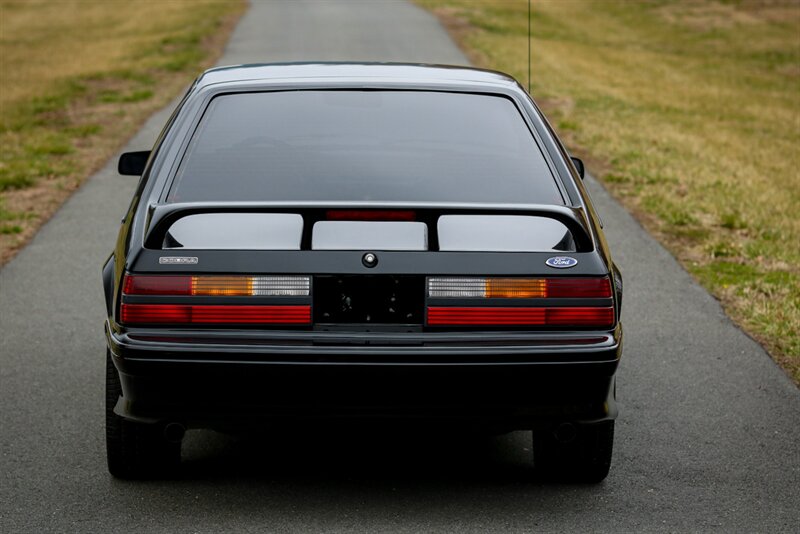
(380, 243)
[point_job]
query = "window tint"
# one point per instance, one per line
(363, 145)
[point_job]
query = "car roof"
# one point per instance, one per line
(385, 73)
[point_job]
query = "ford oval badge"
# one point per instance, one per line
(561, 262)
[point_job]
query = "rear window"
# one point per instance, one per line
(363, 146)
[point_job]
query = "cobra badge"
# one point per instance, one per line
(177, 260)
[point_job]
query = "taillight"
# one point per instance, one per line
(157, 285)
(288, 286)
(520, 316)
(204, 314)
(160, 312)
(594, 309)
(468, 287)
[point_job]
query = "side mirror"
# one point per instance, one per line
(578, 165)
(133, 163)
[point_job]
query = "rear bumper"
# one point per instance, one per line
(226, 379)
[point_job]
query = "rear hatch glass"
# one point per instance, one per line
(383, 146)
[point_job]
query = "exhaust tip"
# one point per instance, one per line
(565, 433)
(174, 432)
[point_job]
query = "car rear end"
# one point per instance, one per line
(302, 264)
(469, 334)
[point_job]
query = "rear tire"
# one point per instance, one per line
(586, 458)
(135, 450)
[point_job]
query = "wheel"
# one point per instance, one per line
(135, 450)
(574, 454)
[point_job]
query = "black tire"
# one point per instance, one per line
(586, 458)
(135, 450)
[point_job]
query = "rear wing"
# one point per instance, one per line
(161, 217)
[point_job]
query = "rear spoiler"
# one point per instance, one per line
(162, 216)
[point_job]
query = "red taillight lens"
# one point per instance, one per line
(520, 316)
(485, 316)
(580, 316)
(203, 314)
(371, 215)
(157, 285)
(155, 313)
(587, 288)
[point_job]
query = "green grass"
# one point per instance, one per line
(7, 227)
(690, 113)
(78, 79)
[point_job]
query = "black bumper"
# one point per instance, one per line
(227, 379)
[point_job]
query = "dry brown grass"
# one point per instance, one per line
(693, 109)
(78, 79)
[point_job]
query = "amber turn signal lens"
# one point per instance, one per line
(222, 286)
(516, 288)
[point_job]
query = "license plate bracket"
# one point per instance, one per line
(372, 299)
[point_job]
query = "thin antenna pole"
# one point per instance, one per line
(529, 46)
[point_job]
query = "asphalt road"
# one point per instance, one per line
(708, 436)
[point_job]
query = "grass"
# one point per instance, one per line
(689, 112)
(79, 78)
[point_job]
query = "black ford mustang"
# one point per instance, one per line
(360, 242)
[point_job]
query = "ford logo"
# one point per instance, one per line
(561, 262)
